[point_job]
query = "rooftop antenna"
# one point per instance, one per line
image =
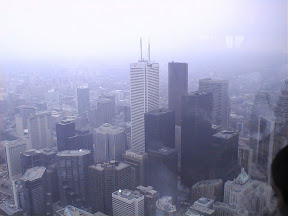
(141, 48)
(149, 50)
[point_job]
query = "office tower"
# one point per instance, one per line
(261, 107)
(24, 112)
(19, 125)
(104, 179)
(30, 158)
(245, 154)
(177, 87)
(83, 99)
(52, 182)
(125, 109)
(195, 135)
(48, 156)
(110, 142)
(34, 191)
(220, 100)
(106, 104)
(127, 202)
(223, 156)
(12, 152)
(73, 211)
(144, 78)
(64, 130)
(164, 206)
(162, 170)
(72, 169)
(82, 140)
(150, 198)
(159, 127)
(39, 130)
(212, 189)
(235, 191)
(281, 110)
(178, 144)
(139, 166)
(228, 210)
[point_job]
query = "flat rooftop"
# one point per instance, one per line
(207, 182)
(159, 112)
(31, 152)
(47, 151)
(72, 211)
(101, 166)
(225, 134)
(109, 129)
(127, 194)
(72, 153)
(33, 173)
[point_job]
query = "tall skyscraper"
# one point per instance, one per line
(12, 151)
(83, 99)
(245, 154)
(107, 107)
(195, 135)
(34, 191)
(139, 166)
(220, 100)
(39, 130)
(110, 142)
(177, 87)
(223, 156)
(162, 170)
(127, 202)
(104, 179)
(72, 169)
(144, 78)
(64, 130)
(212, 189)
(160, 127)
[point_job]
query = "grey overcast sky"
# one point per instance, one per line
(110, 29)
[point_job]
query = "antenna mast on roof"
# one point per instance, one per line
(141, 49)
(149, 50)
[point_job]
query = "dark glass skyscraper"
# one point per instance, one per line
(64, 130)
(195, 135)
(160, 127)
(162, 170)
(72, 168)
(177, 87)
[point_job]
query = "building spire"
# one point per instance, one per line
(141, 49)
(149, 50)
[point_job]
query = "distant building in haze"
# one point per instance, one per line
(30, 159)
(83, 99)
(160, 127)
(220, 100)
(64, 130)
(177, 87)
(13, 150)
(39, 130)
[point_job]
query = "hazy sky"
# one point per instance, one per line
(110, 29)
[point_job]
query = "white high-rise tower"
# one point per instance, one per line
(144, 78)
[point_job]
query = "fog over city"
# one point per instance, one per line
(124, 107)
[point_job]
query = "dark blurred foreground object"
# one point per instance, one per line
(280, 180)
